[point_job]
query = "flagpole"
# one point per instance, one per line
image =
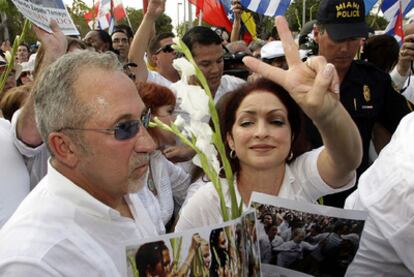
(127, 17)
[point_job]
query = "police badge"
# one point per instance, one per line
(366, 93)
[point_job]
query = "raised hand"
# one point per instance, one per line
(237, 9)
(54, 43)
(155, 8)
(314, 85)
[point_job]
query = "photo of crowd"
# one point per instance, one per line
(230, 250)
(315, 244)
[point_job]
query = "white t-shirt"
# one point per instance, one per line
(157, 78)
(386, 191)
(301, 182)
(14, 177)
(61, 230)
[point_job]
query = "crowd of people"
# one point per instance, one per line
(311, 243)
(82, 172)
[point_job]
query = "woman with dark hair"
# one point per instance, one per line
(166, 182)
(220, 257)
(261, 122)
(153, 259)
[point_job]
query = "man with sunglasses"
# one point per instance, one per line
(75, 221)
(366, 92)
(159, 53)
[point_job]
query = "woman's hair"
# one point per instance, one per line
(217, 252)
(155, 96)
(13, 99)
(230, 102)
(148, 256)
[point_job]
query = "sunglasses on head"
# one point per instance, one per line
(166, 49)
(123, 130)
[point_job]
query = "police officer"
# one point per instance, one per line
(366, 92)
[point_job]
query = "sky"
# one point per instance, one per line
(173, 8)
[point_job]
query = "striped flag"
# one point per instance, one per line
(246, 18)
(394, 27)
(369, 4)
(390, 7)
(266, 7)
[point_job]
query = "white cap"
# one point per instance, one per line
(274, 49)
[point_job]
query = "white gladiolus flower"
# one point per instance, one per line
(185, 68)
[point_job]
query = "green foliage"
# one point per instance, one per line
(162, 24)
(77, 11)
(15, 22)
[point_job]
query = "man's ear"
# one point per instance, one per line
(316, 34)
(153, 60)
(63, 148)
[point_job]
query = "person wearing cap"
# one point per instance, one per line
(273, 53)
(366, 92)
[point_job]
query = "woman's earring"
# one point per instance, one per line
(290, 156)
(232, 154)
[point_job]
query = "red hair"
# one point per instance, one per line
(155, 96)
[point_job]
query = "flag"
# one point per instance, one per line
(145, 5)
(213, 13)
(369, 4)
(246, 18)
(118, 10)
(100, 17)
(394, 27)
(266, 7)
(390, 7)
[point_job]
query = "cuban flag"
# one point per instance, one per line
(369, 4)
(390, 7)
(266, 7)
(394, 27)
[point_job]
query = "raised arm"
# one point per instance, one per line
(314, 85)
(142, 37)
(54, 45)
(237, 10)
(402, 70)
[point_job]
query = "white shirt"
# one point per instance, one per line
(61, 230)
(171, 183)
(301, 182)
(14, 178)
(227, 84)
(401, 82)
(386, 191)
(35, 158)
(157, 78)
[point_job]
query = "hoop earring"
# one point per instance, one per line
(232, 154)
(290, 156)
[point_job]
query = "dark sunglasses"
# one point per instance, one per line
(166, 49)
(123, 130)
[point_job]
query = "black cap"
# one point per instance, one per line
(343, 19)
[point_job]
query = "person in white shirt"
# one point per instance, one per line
(167, 182)
(14, 178)
(261, 123)
(386, 192)
(160, 53)
(77, 219)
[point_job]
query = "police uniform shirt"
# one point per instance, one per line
(367, 94)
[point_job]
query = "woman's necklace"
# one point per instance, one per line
(151, 183)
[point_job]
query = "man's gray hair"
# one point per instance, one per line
(55, 102)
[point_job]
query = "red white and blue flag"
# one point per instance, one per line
(395, 25)
(266, 7)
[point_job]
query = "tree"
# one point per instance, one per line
(77, 11)
(162, 24)
(12, 23)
